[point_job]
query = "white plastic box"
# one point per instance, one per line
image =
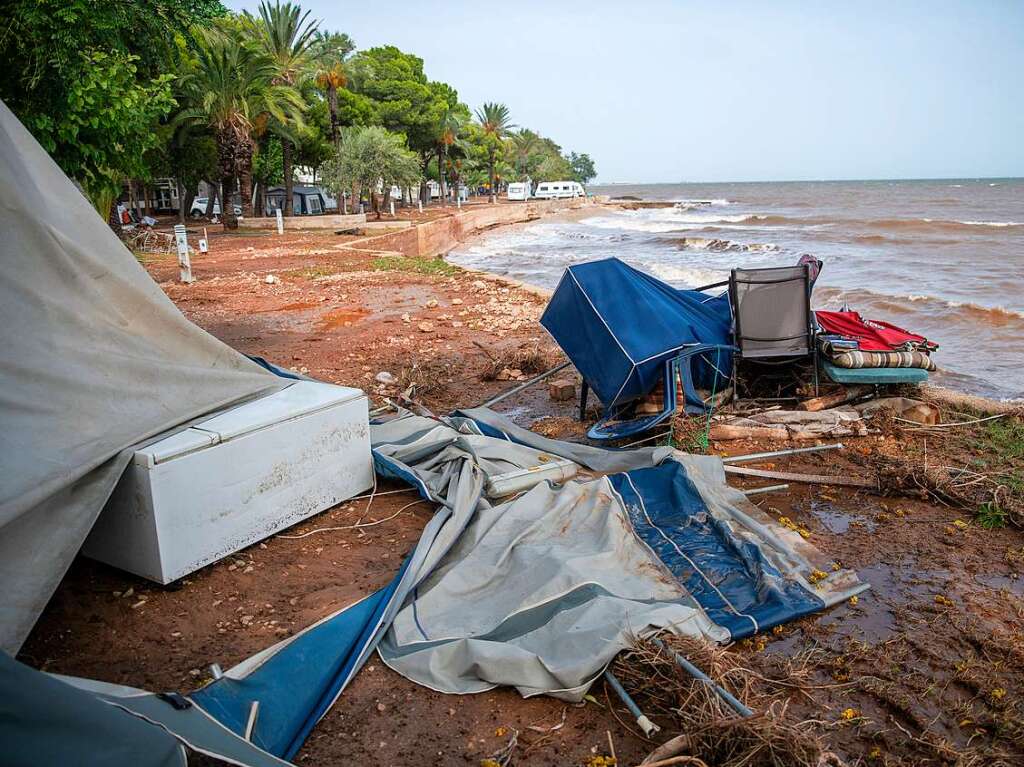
(227, 482)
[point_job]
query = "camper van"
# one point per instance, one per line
(552, 190)
(519, 190)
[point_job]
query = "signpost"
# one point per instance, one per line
(181, 238)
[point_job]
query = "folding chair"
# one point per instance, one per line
(772, 318)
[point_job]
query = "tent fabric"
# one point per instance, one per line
(619, 325)
(492, 588)
(95, 359)
(666, 546)
(446, 465)
(44, 721)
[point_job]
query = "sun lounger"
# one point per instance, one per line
(874, 375)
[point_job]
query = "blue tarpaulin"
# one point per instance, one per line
(619, 326)
(736, 585)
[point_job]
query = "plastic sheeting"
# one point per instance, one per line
(95, 358)
(619, 325)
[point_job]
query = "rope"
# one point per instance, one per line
(703, 440)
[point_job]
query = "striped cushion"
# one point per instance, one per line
(861, 359)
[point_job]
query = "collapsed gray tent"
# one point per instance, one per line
(95, 359)
(541, 591)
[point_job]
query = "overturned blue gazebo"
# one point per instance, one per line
(624, 330)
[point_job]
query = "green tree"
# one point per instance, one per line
(405, 101)
(332, 48)
(287, 36)
(232, 90)
(496, 123)
(583, 169)
(369, 158)
(89, 79)
(450, 129)
(525, 148)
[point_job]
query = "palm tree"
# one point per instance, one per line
(231, 89)
(286, 35)
(332, 48)
(524, 145)
(496, 123)
(448, 133)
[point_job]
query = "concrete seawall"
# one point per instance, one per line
(437, 237)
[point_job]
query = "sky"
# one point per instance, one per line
(731, 91)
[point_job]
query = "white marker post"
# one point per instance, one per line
(420, 202)
(280, 222)
(181, 238)
(392, 209)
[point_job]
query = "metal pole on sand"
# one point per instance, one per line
(524, 384)
(781, 453)
(699, 675)
(642, 721)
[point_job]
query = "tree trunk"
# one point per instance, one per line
(289, 184)
(183, 204)
(227, 206)
(374, 207)
(261, 200)
(332, 102)
(490, 164)
(387, 199)
(245, 152)
(440, 176)
(211, 199)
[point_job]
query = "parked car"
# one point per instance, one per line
(198, 209)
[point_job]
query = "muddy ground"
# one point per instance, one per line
(925, 668)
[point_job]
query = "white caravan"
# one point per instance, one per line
(519, 190)
(551, 190)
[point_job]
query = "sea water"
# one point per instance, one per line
(944, 258)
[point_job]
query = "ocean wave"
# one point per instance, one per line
(689, 204)
(884, 224)
(719, 245)
(672, 222)
(684, 276)
(898, 303)
(989, 223)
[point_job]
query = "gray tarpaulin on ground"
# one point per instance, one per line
(542, 590)
(95, 358)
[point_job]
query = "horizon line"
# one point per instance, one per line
(808, 180)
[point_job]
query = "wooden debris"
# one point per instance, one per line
(843, 396)
(724, 431)
(907, 409)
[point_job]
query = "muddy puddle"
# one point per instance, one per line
(341, 318)
(838, 521)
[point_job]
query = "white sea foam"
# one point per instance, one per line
(990, 223)
(685, 276)
(693, 202)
